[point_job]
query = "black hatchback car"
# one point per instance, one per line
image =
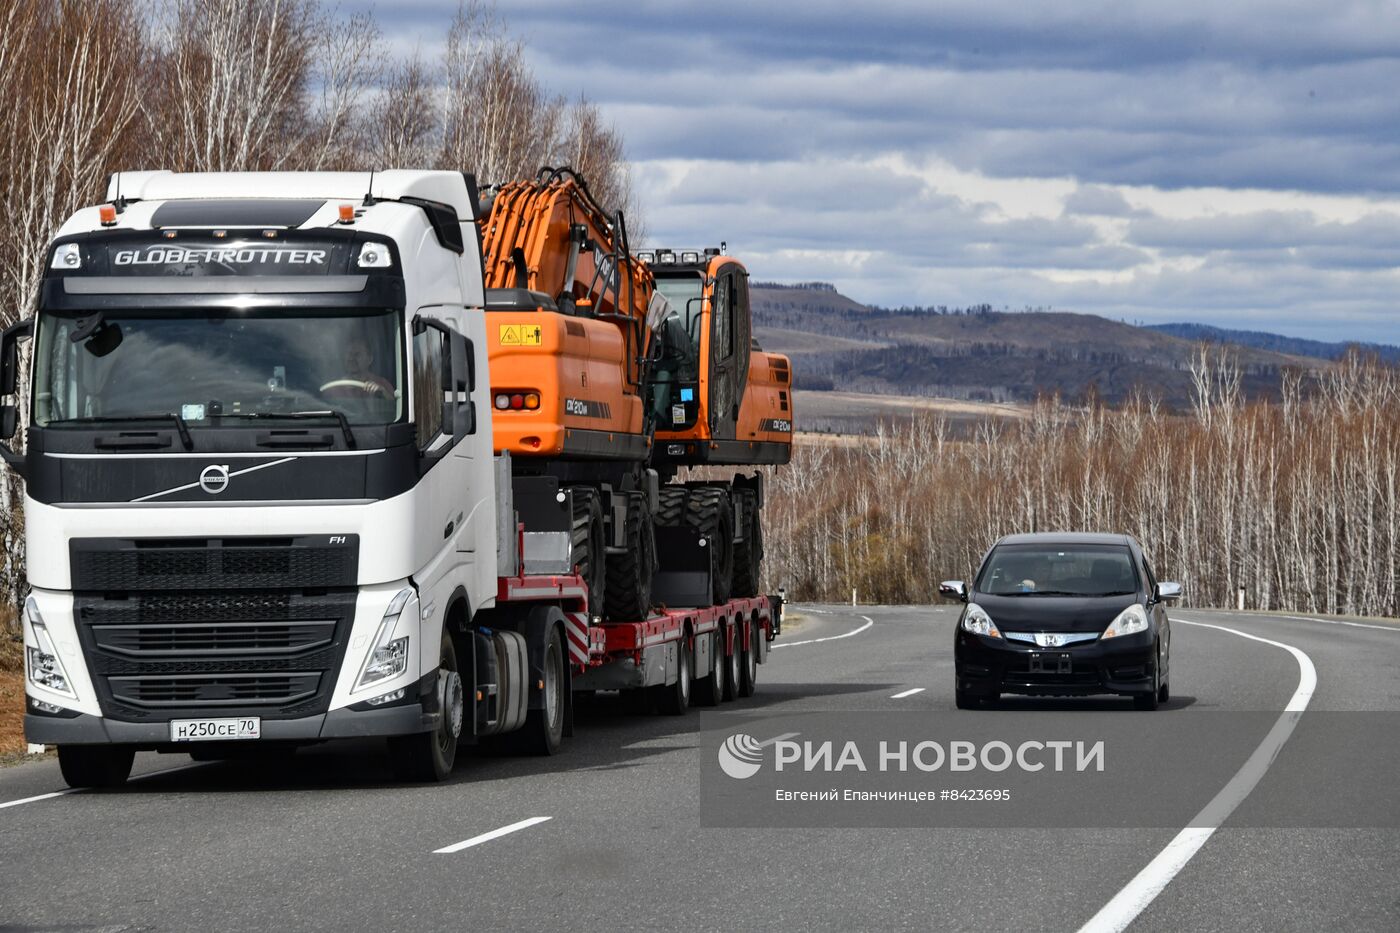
(1063, 615)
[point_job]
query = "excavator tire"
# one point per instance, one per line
(710, 512)
(629, 573)
(748, 553)
(670, 506)
(589, 555)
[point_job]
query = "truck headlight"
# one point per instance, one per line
(45, 669)
(1129, 622)
(388, 657)
(976, 621)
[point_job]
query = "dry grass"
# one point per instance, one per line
(12, 744)
(11, 644)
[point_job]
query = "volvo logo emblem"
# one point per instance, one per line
(214, 478)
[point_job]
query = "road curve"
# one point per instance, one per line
(608, 833)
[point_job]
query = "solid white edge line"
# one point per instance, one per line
(74, 790)
(1125, 906)
(37, 798)
(493, 834)
(1383, 628)
(907, 693)
(812, 641)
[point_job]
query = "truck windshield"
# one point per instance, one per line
(1050, 570)
(218, 364)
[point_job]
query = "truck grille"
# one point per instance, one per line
(203, 639)
(214, 690)
(109, 565)
(174, 627)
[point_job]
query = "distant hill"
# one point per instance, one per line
(981, 355)
(1297, 346)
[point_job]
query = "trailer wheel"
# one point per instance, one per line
(674, 699)
(733, 668)
(589, 553)
(544, 728)
(748, 675)
(748, 553)
(709, 690)
(709, 511)
(95, 765)
(628, 593)
(429, 756)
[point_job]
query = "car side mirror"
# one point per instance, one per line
(1167, 591)
(953, 589)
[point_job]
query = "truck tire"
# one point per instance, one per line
(589, 553)
(429, 756)
(748, 672)
(748, 553)
(674, 699)
(708, 511)
(709, 690)
(544, 728)
(628, 594)
(95, 765)
(733, 668)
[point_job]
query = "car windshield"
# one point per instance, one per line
(205, 365)
(1058, 570)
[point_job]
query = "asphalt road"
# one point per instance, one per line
(328, 841)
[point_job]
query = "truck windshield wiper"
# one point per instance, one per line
(179, 421)
(338, 415)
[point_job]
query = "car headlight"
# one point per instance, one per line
(43, 664)
(388, 658)
(976, 621)
(1129, 622)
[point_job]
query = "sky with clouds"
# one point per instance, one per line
(1235, 163)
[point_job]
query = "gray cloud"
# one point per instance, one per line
(784, 114)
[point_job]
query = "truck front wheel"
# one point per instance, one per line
(95, 765)
(429, 756)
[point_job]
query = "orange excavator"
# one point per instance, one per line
(720, 401)
(570, 330)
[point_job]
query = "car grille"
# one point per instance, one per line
(261, 631)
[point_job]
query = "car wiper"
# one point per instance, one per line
(1047, 593)
(176, 417)
(339, 416)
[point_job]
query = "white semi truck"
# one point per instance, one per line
(262, 505)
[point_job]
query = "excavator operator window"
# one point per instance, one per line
(724, 318)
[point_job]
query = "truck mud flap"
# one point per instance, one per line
(683, 569)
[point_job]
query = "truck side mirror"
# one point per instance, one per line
(9, 387)
(9, 354)
(463, 383)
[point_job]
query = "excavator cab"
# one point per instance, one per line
(719, 398)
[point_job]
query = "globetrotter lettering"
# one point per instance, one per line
(171, 255)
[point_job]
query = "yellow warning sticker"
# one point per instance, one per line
(520, 335)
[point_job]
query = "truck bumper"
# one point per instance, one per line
(85, 729)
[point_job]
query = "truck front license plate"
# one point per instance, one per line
(204, 730)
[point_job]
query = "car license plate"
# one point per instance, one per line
(1050, 664)
(206, 730)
